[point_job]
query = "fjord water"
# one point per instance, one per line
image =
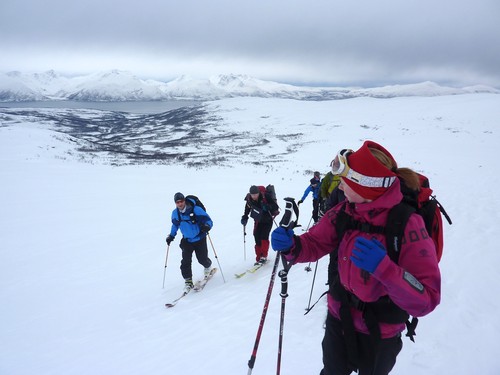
(139, 107)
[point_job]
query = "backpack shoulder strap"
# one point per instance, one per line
(395, 228)
(190, 203)
(191, 200)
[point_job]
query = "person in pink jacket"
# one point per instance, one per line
(370, 295)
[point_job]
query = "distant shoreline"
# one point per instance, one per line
(142, 107)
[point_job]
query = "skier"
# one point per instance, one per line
(370, 295)
(328, 191)
(263, 209)
(194, 224)
(314, 187)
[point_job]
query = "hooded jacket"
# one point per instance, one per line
(414, 284)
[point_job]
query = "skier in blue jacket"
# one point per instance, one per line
(314, 187)
(194, 224)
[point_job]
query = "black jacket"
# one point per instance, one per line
(262, 210)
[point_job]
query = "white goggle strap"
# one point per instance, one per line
(367, 181)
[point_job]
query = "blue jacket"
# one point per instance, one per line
(315, 191)
(190, 231)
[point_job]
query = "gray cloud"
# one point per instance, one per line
(320, 41)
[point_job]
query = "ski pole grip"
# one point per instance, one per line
(284, 283)
(287, 217)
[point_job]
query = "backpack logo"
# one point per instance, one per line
(431, 211)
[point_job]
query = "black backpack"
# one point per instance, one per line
(193, 201)
(272, 193)
(268, 192)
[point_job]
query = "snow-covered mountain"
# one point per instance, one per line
(118, 85)
(12, 88)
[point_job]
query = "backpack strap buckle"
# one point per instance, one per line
(365, 227)
(355, 302)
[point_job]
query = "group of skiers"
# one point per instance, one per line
(370, 294)
(326, 194)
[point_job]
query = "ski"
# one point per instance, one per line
(174, 302)
(198, 287)
(250, 270)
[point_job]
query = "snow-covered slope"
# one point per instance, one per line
(83, 250)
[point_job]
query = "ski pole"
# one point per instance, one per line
(309, 224)
(284, 293)
(165, 270)
(244, 242)
(286, 222)
(216, 257)
(275, 223)
(308, 267)
(251, 361)
(312, 286)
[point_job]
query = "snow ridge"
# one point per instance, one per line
(116, 85)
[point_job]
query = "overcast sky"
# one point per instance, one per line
(316, 42)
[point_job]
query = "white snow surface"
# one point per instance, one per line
(83, 246)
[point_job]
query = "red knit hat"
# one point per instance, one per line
(363, 162)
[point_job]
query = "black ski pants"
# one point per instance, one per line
(201, 251)
(335, 352)
(315, 212)
(261, 231)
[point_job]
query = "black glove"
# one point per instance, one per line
(299, 202)
(170, 239)
(244, 220)
(205, 228)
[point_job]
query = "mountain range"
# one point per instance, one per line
(116, 85)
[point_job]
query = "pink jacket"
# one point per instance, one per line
(414, 284)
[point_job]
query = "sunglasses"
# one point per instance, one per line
(340, 166)
(179, 201)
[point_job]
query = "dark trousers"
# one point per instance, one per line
(315, 213)
(335, 352)
(261, 235)
(201, 251)
(261, 231)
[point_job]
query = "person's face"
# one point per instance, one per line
(255, 197)
(350, 194)
(181, 203)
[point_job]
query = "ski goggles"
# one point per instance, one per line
(341, 167)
